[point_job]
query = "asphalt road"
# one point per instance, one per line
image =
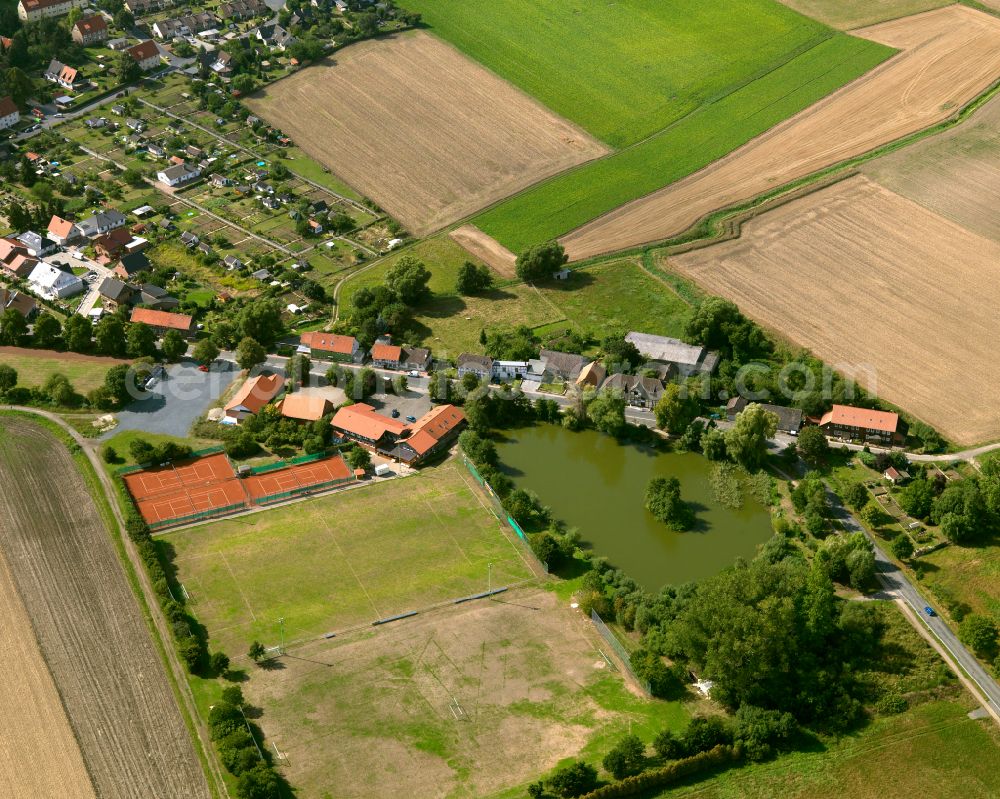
(898, 586)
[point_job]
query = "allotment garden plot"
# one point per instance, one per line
(345, 559)
(880, 288)
(427, 133)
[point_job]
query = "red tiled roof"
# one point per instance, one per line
(35, 5)
(328, 342)
(9, 249)
(143, 50)
(88, 25)
(849, 416)
(362, 420)
(60, 227)
(306, 407)
(147, 316)
(7, 107)
(386, 352)
(434, 425)
(256, 392)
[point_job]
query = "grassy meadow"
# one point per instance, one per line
(34, 367)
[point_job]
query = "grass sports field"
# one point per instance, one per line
(348, 559)
(34, 367)
(567, 201)
(623, 70)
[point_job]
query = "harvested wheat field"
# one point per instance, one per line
(949, 56)
(956, 173)
(879, 287)
(847, 14)
(88, 624)
(40, 756)
(486, 249)
(427, 133)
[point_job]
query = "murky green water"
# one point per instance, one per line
(597, 485)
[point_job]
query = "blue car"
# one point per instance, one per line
(929, 611)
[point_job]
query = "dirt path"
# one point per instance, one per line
(486, 248)
(88, 625)
(949, 57)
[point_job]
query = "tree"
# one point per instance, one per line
(980, 633)
(259, 782)
(141, 451)
(917, 498)
(298, 369)
(77, 333)
(120, 385)
(606, 411)
(873, 515)
(359, 458)
(127, 69)
(574, 780)
(124, 20)
(109, 336)
(174, 346)
(60, 391)
(481, 451)
(260, 320)
(408, 278)
(676, 409)
(47, 331)
(256, 651)
(760, 731)
(746, 440)
(901, 547)
(13, 328)
(140, 341)
(540, 262)
(663, 500)
(8, 377)
(713, 444)
(861, 568)
(813, 447)
(219, 663)
(244, 84)
(205, 351)
(620, 354)
(856, 495)
(668, 746)
(626, 757)
(400, 384)
(20, 87)
(249, 353)
(473, 279)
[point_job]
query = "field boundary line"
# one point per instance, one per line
(347, 560)
(239, 587)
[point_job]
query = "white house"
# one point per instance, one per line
(9, 115)
(176, 175)
(146, 54)
(102, 222)
(53, 284)
(32, 10)
(510, 370)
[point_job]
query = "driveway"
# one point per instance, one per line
(174, 404)
(410, 403)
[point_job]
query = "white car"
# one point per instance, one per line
(413, 373)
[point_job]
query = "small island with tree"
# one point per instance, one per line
(663, 500)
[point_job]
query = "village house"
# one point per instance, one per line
(592, 375)
(100, 223)
(63, 75)
(18, 301)
(115, 294)
(156, 298)
(62, 231)
(90, 30)
(37, 245)
(189, 239)
(386, 356)
(21, 265)
(510, 370)
(184, 26)
(178, 174)
(304, 407)
(112, 243)
(848, 422)
(9, 249)
(132, 264)
(139, 7)
(330, 346)
(221, 181)
(561, 366)
(156, 150)
(34, 10)
(146, 54)
(52, 283)
(231, 262)
(253, 395)
(273, 35)
(471, 363)
(162, 321)
(9, 114)
(430, 434)
(688, 359)
(362, 424)
(639, 391)
(415, 359)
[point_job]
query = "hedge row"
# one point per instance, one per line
(657, 778)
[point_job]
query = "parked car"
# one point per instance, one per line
(413, 373)
(203, 367)
(929, 611)
(395, 413)
(411, 419)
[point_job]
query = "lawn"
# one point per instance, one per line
(343, 560)
(120, 442)
(966, 574)
(34, 367)
(711, 131)
(624, 70)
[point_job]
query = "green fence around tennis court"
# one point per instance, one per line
(200, 515)
(501, 512)
(298, 461)
(295, 492)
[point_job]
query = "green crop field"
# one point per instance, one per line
(343, 560)
(626, 69)
(569, 200)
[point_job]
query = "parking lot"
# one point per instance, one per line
(411, 403)
(176, 401)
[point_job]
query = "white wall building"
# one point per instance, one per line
(53, 284)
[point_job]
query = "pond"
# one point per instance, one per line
(597, 485)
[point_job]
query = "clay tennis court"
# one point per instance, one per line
(305, 476)
(175, 491)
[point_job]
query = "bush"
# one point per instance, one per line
(219, 663)
(109, 455)
(643, 784)
(891, 704)
(626, 757)
(573, 780)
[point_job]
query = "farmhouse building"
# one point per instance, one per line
(162, 321)
(33, 10)
(37, 245)
(564, 366)
(253, 395)
(112, 243)
(362, 424)
(639, 391)
(330, 346)
(132, 264)
(21, 265)
(156, 298)
(90, 30)
(510, 370)
(386, 356)
(115, 294)
(9, 115)
(479, 365)
(688, 359)
(430, 434)
(845, 421)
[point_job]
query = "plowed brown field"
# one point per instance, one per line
(424, 131)
(949, 56)
(88, 624)
(878, 287)
(486, 249)
(39, 756)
